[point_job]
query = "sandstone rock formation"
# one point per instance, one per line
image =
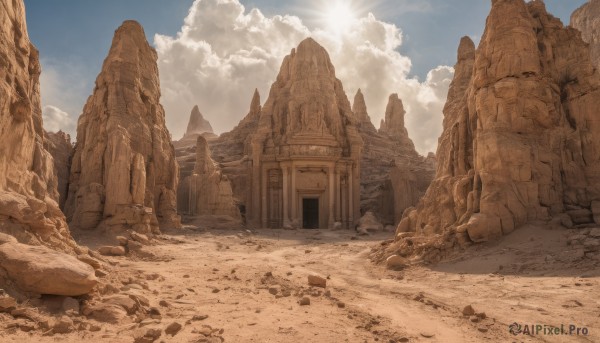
(393, 175)
(29, 207)
(35, 242)
(197, 124)
(520, 140)
(230, 150)
(124, 174)
(207, 191)
(59, 146)
(587, 20)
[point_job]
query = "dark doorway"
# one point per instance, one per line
(310, 213)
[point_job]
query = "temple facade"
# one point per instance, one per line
(304, 158)
(308, 184)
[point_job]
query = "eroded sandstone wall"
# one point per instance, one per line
(520, 140)
(393, 175)
(29, 207)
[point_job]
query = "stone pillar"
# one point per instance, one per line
(294, 196)
(263, 197)
(351, 197)
(254, 212)
(338, 200)
(286, 218)
(331, 207)
(356, 195)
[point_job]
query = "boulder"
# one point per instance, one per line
(40, 270)
(317, 281)
(396, 262)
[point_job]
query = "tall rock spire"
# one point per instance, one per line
(124, 164)
(393, 124)
(359, 107)
(197, 124)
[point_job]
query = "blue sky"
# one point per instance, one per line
(73, 37)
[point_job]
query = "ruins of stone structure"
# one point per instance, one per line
(206, 191)
(302, 158)
(124, 173)
(587, 20)
(520, 140)
(59, 146)
(393, 175)
(35, 243)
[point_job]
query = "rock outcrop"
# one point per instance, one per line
(587, 20)
(124, 173)
(520, 140)
(393, 175)
(207, 191)
(35, 243)
(29, 207)
(60, 147)
(230, 151)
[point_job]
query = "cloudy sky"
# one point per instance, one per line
(214, 53)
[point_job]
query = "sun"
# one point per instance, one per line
(339, 16)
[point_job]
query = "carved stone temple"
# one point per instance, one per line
(302, 157)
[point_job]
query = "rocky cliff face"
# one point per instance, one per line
(28, 186)
(207, 191)
(520, 135)
(587, 20)
(393, 175)
(59, 146)
(124, 172)
(35, 243)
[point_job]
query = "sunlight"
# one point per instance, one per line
(339, 16)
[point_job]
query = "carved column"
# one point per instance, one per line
(338, 200)
(351, 197)
(331, 195)
(286, 218)
(294, 196)
(265, 182)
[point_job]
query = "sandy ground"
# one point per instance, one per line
(244, 286)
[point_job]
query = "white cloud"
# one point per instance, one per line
(56, 119)
(64, 88)
(223, 52)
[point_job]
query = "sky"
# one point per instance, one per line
(214, 53)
